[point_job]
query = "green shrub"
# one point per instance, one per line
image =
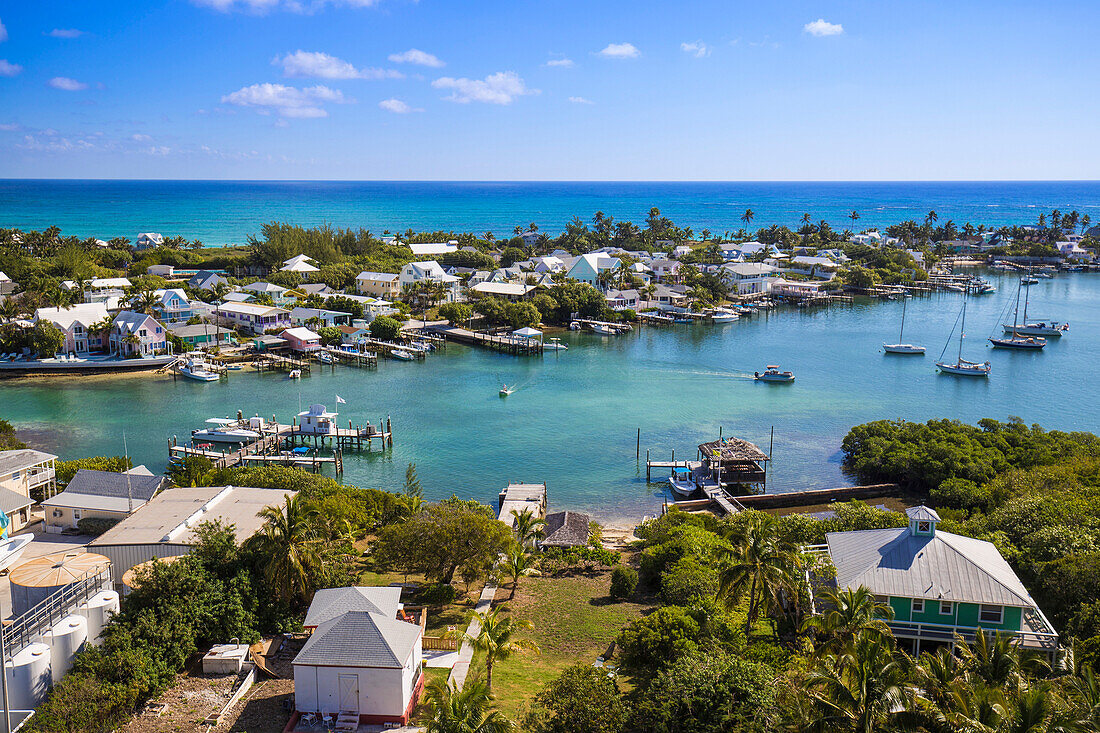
(583, 699)
(688, 581)
(960, 493)
(95, 525)
(624, 581)
(437, 594)
(652, 641)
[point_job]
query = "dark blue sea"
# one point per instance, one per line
(226, 212)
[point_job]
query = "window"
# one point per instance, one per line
(15, 475)
(918, 605)
(945, 608)
(991, 614)
(924, 527)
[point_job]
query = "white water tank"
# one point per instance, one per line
(29, 677)
(98, 611)
(36, 580)
(66, 638)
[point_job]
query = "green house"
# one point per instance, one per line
(939, 584)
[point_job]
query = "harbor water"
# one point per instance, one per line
(573, 419)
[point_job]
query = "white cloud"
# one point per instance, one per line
(698, 49)
(3, 32)
(580, 100)
(418, 57)
(621, 51)
(286, 101)
(397, 106)
(65, 33)
(159, 150)
(140, 138)
(64, 83)
(10, 127)
(560, 63)
(294, 6)
(9, 69)
(499, 88)
(322, 66)
(822, 27)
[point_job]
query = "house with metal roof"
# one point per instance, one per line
(361, 663)
(939, 584)
(23, 471)
(100, 495)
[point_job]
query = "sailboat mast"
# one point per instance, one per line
(962, 331)
(1016, 310)
(901, 334)
(1026, 296)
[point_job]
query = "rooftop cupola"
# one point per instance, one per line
(922, 521)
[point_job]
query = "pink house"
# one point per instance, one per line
(76, 323)
(137, 333)
(301, 339)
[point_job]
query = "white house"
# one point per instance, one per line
(360, 659)
(433, 249)
(301, 316)
(587, 267)
(680, 250)
(148, 240)
(299, 263)
(549, 263)
(665, 270)
(429, 271)
(750, 277)
(508, 291)
(21, 472)
(317, 420)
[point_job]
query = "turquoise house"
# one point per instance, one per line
(939, 584)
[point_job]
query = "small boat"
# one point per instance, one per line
(234, 367)
(723, 315)
(744, 311)
(961, 366)
(574, 326)
(555, 345)
(902, 348)
(1043, 274)
(505, 390)
(1028, 281)
(295, 374)
(681, 482)
(403, 354)
(196, 368)
(681, 320)
(955, 288)
(773, 374)
(11, 548)
(602, 330)
(225, 431)
(324, 357)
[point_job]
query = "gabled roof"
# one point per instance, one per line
(922, 514)
(384, 276)
(301, 333)
(331, 603)
(13, 501)
(297, 259)
(265, 287)
(85, 314)
(131, 321)
(433, 248)
(360, 639)
(945, 566)
(108, 483)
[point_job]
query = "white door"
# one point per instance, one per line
(349, 693)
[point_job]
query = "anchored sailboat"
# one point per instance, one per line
(961, 366)
(1017, 340)
(901, 347)
(1036, 328)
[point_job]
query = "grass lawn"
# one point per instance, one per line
(574, 620)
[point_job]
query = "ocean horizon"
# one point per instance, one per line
(221, 212)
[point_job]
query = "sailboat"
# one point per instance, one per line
(961, 366)
(901, 347)
(1035, 328)
(1016, 340)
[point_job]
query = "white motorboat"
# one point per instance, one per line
(505, 390)
(555, 344)
(902, 348)
(225, 430)
(773, 374)
(295, 374)
(961, 366)
(722, 315)
(681, 482)
(196, 368)
(324, 357)
(403, 354)
(601, 330)
(11, 549)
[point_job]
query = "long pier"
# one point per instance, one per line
(267, 361)
(516, 345)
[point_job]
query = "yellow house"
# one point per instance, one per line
(379, 284)
(22, 472)
(100, 495)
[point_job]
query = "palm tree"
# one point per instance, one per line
(291, 549)
(851, 612)
(469, 710)
(495, 638)
(854, 216)
(9, 310)
(931, 218)
(991, 657)
(145, 300)
(516, 564)
(762, 565)
(527, 526)
(748, 216)
(860, 689)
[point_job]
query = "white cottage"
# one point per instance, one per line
(360, 659)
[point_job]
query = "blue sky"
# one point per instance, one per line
(550, 90)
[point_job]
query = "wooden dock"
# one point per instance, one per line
(266, 450)
(616, 327)
(364, 359)
(267, 362)
(506, 344)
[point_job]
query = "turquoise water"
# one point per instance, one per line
(573, 421)
(221, 212)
